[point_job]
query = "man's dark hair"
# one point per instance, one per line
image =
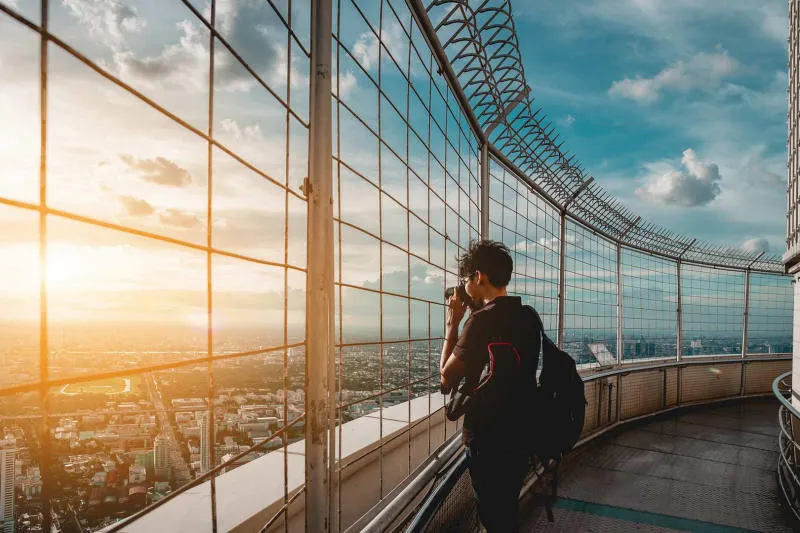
(490, 257)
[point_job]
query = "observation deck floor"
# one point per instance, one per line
(703, 469)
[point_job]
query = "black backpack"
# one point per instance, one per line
(560, 404)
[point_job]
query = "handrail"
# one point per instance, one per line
(780, 394)
(438, 462)
(701, 360)
(435, 499)
(787, 462)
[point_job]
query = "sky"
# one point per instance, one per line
(678, 108)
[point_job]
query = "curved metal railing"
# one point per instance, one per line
(788, 447)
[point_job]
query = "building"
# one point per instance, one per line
(137, 474)
(791, 259)
(32, 483)
(161, 464)
(7, 461)
(147, 460)
(205, 444)
(191, 404)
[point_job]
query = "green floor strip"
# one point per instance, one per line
(644, 517)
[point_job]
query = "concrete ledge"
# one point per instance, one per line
(377, 451)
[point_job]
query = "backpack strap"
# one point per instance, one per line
(538, 320)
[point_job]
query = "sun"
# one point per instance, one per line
(67, 267)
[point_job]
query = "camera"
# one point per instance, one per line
(462, 295)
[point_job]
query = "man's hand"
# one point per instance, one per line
(455, 311)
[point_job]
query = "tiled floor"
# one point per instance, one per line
(709, 469)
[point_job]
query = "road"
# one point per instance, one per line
(180, 470)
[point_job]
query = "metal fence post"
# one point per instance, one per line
(620, 340)
(319, 279)
(484, 190)
(746, 312)
(679, 316)
(562, 277)
(679, 336)
(745, 320)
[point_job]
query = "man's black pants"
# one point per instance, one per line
(497, 471)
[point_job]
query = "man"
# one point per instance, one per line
(495, 445)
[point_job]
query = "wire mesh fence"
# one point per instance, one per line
(590, 309)
(406, 166)
(713, 310)
(649, 303)
(151, 187)
(769, 315)
(529, 227)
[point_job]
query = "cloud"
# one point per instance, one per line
(775, 23)
(179, 219)
(672, 24)
(136, 207)
(769, 99)
(184, 63)
(250, 28)
(703, 71)
(160, 170)
(697, 184)
(107, 20)
(347, 82)
(249, 132)
(366, 48)
(253, 30)
(756, 245)
(756, 172)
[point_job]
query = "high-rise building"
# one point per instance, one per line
(161, 461)
(791, 259)
(205, 445)
(7, 458)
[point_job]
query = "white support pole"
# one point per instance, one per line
(319, 279)
(620, 340)
(562, 278)
(484, 190)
